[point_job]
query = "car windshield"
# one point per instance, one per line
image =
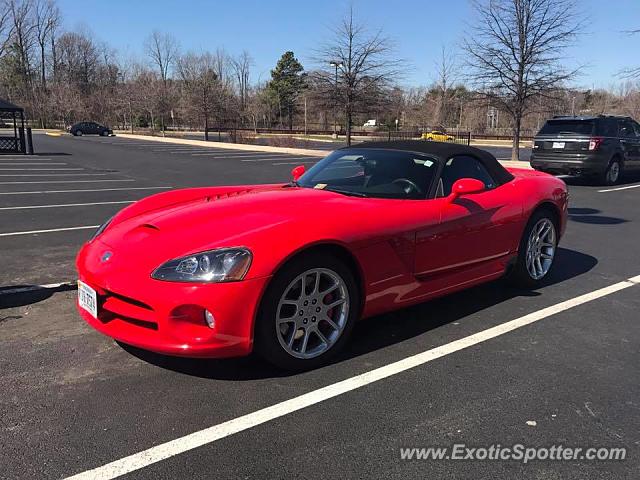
(567, 127)
(373, 173)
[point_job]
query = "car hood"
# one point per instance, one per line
(206, 219)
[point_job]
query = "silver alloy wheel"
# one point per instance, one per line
(312, 313)
(541, 248)
(614, 172)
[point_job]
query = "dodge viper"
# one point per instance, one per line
(286, 270)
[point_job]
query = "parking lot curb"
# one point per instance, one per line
(230, 146)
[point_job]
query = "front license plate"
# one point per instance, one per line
(87, 299)
(558, 144)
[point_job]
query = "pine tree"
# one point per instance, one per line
(288, 80)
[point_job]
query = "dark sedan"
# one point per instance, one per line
(89, 128)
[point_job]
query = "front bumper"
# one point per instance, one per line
(574, 164)
(168, 317)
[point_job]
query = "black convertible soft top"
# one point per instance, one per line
(444, 151)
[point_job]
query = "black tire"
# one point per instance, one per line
(519, 274)
(104, 133)
(266, 341)
(613, 174)
(77, 133)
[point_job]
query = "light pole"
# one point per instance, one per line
(335, 102)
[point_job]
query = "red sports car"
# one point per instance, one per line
(287, 269)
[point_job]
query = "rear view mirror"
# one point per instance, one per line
(466, 186)
(297, 172)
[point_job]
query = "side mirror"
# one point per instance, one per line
(466, 186)
(297, 172)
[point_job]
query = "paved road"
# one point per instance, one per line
(74, 400)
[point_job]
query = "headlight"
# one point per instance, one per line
(101, 229)
(220, 265)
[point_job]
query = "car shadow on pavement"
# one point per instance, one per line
(21, 295)
(627, 179)
(590, 216)
(379, 332)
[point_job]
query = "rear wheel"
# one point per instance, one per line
(613, 174)
(537, 250)
(77, 133)
(307, 313)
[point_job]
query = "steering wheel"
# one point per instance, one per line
(412, 186)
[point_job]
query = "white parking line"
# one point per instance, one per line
(32, 163)
(135, 144)
(50, 230)
(619, 188)
(185, 152)
(286, 158)
(209, 435)
(69, 181)
(61, 205)
(56, 175)
(37, 169)
(173, 147)
(87, 190)
(298, 163)
(238, 155)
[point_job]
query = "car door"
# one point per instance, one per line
(477, 233)
(636, 160)
(630, 143)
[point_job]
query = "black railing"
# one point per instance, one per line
(240, 135)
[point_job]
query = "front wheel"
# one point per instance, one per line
(537, 251)
(307, 313)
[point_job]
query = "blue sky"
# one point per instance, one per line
(268, 28)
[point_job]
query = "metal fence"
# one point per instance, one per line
(242, 135)
(461, 138)
(12, 141)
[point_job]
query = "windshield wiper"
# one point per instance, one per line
(346, 192)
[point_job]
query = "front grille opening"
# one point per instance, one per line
(132, 301)
(125, 309)
(106, 316)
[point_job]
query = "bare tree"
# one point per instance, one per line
(241, 69)
(514, 52)
(633, 72)
(365, 63)
(222, 65)
(202, 90)
(78, 59)
(162, 50)
(6, 30)
(448, 75)
(22, 38)
(47, 18)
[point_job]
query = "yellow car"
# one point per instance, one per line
(437, 136)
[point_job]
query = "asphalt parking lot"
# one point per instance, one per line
(74, 400)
